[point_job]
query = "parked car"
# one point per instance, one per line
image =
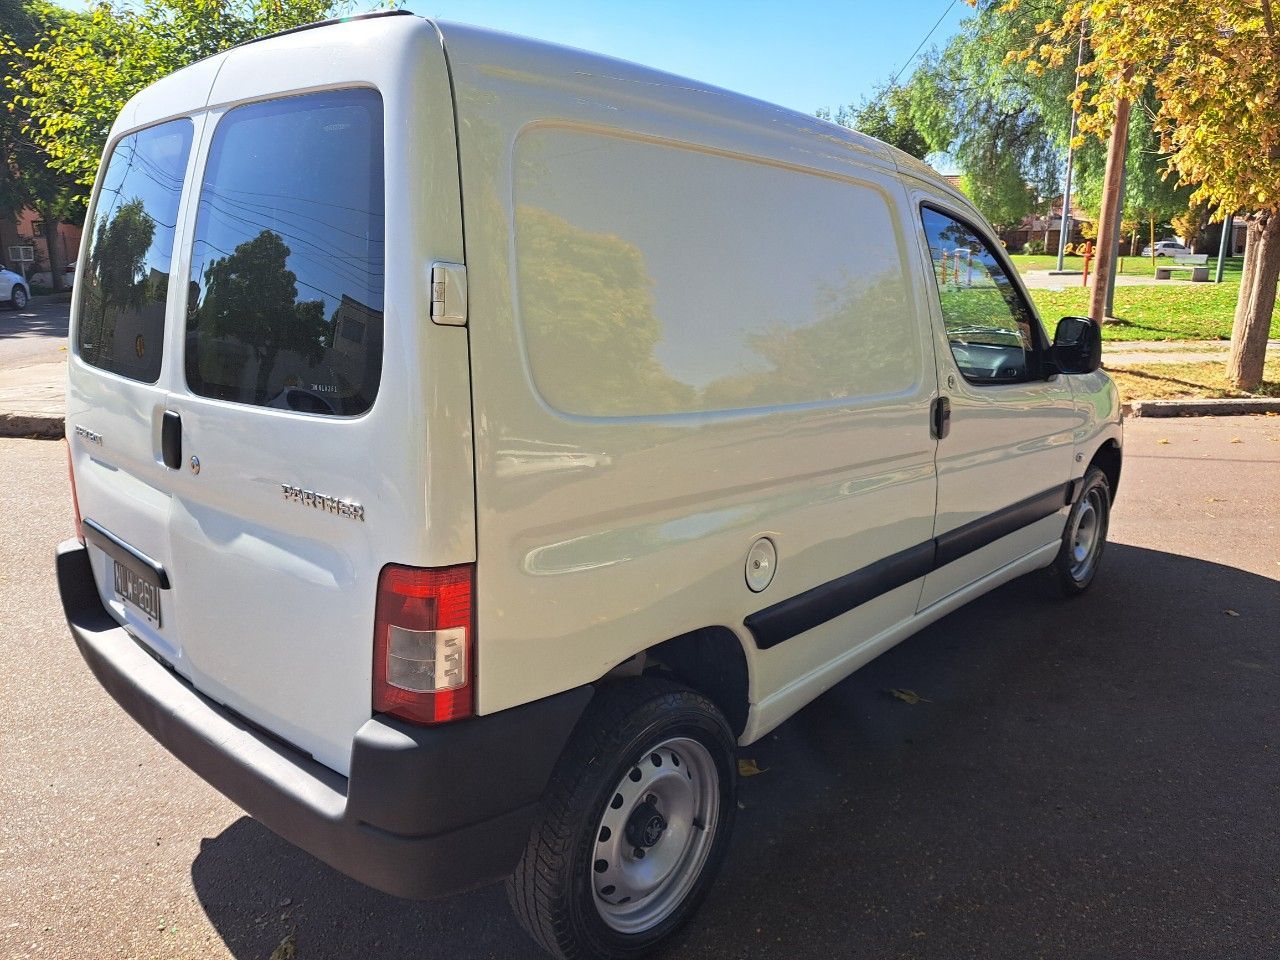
(13, 289)
(1167, 248)
(453, 561)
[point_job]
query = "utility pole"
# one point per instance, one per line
(1063, 228)
(1228, 228)
(1109, 218)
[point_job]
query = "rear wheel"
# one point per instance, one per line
(633, 825)
(18, 298)
(1084, 537)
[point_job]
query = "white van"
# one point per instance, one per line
(476, 441)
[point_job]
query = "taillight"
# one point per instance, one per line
(422, 643)
(75, 498)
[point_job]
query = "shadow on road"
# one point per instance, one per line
(1077, 779)
(37, 320)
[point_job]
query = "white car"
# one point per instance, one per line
(13, 289)
(454, 559)
(1167, 248)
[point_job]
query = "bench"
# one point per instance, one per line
(1195, 262)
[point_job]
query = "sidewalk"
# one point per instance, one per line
(33, 400)
(1117, 353)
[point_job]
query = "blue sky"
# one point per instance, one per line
(804, 54)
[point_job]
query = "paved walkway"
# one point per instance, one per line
(1042, 280)
(1117, 353)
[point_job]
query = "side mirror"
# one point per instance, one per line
(1077, 346)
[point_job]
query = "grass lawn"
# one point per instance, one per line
(1202, 311)
(1168, 381)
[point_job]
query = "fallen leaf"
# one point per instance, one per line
(1235, 440)
(909, 696)
(749, 768)
(1231, 613)
(287, 949)
(1162, 440)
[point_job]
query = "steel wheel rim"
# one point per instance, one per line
(19, 298)
(1086, 536)
(666, 808)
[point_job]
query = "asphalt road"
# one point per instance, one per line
(37, 334)
(1089, 779)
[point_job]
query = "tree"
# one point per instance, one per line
(886, 115)
(26, 177)
(1211, 67)
(71, 81)
(1003, 127)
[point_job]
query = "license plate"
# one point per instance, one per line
(137, 593)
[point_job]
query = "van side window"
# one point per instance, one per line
(991, 328)
(120, 324)
(286, 285)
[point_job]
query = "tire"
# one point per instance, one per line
(569, 890)
(18, 297)
(1084, 537)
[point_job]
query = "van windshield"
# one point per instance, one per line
(286, 284)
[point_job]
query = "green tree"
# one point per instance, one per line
(1003, 128)
(251, 298)
(26, 176)
(70, 81)
(885, 115)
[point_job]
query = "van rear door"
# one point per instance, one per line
(300, 342)
(121, 365)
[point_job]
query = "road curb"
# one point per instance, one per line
(44, 426)
(1202, 408)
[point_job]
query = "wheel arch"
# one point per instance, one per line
(1108, 459)
(710, 660)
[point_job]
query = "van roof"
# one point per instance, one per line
(697, 95)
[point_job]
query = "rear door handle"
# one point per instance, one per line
(171, 440)
(941, 418)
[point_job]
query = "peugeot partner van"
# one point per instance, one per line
(475, 441)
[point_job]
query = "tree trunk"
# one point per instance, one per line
(57, 263)
(1256, 303)
(1109, 216)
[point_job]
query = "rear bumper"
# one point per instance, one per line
(426, 811)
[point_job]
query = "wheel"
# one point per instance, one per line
(633, 825)
(18, 298)
(1085, 536)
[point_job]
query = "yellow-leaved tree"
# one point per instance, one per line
(1214, 68)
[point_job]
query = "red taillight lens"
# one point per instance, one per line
(423, 640)
(75, 498)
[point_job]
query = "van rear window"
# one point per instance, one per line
(286, 286)
(120, 323)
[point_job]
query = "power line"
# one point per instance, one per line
(894, 83)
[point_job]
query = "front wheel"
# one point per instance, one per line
(18, 299)
(1084, 537)
(633, 825)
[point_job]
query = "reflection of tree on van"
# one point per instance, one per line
(587, 297)
(250, 300)
(858, 343)
(118, 279)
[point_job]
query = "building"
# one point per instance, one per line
(27, 229)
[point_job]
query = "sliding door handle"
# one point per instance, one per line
(941, 419)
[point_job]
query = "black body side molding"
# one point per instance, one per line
(788, 618)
